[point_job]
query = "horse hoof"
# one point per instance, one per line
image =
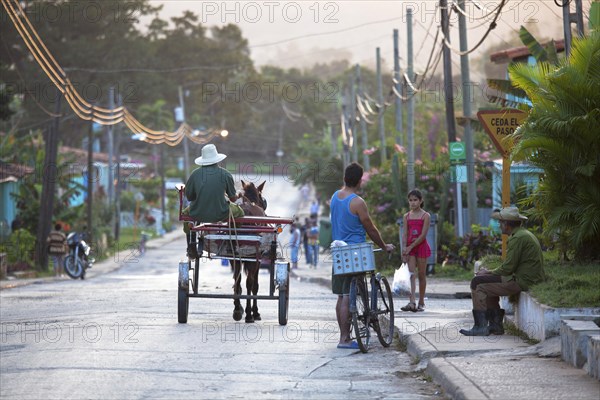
(249, 319)
(256, 316)
(238, 313)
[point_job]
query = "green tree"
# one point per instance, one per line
(562, 136)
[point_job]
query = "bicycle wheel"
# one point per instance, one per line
(384, 312)
(360, 313)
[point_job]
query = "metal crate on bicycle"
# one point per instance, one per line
(353, 258)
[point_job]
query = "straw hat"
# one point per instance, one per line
(210, 155)
(508, 214)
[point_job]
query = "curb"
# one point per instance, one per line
(454, 383)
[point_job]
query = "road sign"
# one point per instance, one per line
(458, 174)
(457, 151)
(499, 124)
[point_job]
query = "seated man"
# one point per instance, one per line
(206, 189)
(522, 268)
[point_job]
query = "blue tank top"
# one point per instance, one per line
(345, 225)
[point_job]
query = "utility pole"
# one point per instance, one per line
(352, 122)
(449, 98)
(49, 177)
(363, 124)
(398, 86)
(186, 157)
(467, 100)
(110, 187)
(410, 116)
(568, 19)
(344, 132)
(163, 193)
(90, 180)
(381, 107)
(118, 180)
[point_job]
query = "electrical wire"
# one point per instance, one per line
(325, 33)
(83, 109)
(492, 26)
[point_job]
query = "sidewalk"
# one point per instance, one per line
(492, 367)
(99, 268)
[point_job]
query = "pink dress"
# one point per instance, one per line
(415, 227)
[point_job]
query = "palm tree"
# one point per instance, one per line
(562, 136)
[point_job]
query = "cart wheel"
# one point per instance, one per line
(183, 305)
(183, 289)
(284, 301)
(196, 275)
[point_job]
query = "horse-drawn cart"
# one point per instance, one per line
(250, 241)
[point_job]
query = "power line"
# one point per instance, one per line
(325, 33)
(492, 26)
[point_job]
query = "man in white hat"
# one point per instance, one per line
(206, 189)
(522, 268)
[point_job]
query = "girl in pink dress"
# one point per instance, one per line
(415, 248)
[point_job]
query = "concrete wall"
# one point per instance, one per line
(541, 322)
(593, 356)
(574, 341)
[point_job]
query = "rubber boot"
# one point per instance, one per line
(192, 251)
(496, 318)
(481, 325)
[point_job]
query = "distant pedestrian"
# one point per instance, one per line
(57, 248)
(305, 192)
(314, 209)
(416, 250)
(294, 244)
(522, 267)
(304, 231)
(313, 245)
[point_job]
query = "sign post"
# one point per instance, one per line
(499, 124)
(458, 175)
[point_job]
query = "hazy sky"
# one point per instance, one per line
(301, 33)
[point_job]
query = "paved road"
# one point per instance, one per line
(116, 336)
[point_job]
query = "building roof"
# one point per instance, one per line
(517, 53)
(13, 172)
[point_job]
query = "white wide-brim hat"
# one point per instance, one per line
(508, 214)
(209, 156)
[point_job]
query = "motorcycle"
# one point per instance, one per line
(79, 258)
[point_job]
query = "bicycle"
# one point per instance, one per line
(368, 310)
(371, 310)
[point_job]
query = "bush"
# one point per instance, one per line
(472, 247)
(19, 248)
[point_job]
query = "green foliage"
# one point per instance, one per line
(569, 285)
(377, 190)
(561, 137)
(19, 247)
(471, 247)
(150, 188)
(317, 165)
(127, 201)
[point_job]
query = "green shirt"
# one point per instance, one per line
(206, 189)
(524, 259)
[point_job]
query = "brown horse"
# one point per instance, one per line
(254, 205)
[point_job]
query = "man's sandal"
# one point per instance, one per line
(409, 307)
